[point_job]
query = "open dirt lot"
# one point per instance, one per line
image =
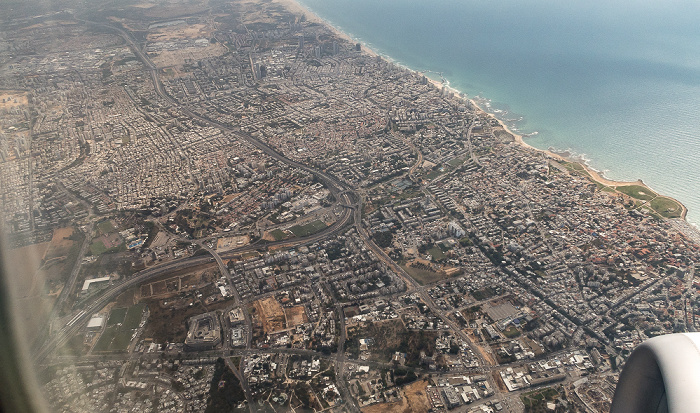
(144, 5)
(25, 264)
(485, 354)
(228, 243)
(271, 314)
(171, 286)
(181, 31)
(13, 99)
(171, 9)
(168, 58)
(60, 244)
(160, 240)
(295, 316)
(415, 400)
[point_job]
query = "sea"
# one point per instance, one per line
(614, 83)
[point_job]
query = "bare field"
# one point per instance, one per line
(200, 269)
(415, 400)
(160, 240)
(57, 260)
(11, 99)
(144, 5)
(272, 315)
(171, 286)
(257, 12)
(60, 244)
(295, 315)
(171, 9)
(423, 271)
(26, 262)
(499, 382)
(192, 31)
(172, 72)
(228, 243)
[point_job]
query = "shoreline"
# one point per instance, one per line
(294, 7)
(596, 176)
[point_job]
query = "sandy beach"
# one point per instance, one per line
(521, 141)
(296, 8)
(595, 175)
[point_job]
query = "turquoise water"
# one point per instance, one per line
(618, 84)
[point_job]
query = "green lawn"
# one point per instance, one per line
(436, 253)
(106, 339)
(511, 332)
(636, 191)
(667, 207)
(121, 340)
(278, 234)
(535, 401)
(116, 316)
(484, 293)
(97, 248)
(120, 327)
(114, 339)
(105, 227)
(433, 174)
(573, 166)
(577, 168)
(133, 316)
(119, 248)
(308, 229)
(408, 194)
(456, 162)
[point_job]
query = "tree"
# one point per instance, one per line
(383, 239)
(225, 391)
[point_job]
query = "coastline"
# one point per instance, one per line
(521, 141)
(596, 176)
(593, 174)
(296, 7)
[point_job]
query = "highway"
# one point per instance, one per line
(113, 291)
(339, 364)
(244, 383)
(343, 194)
(68, 287)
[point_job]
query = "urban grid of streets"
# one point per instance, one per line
(264, 217)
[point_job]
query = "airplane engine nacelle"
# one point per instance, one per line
(661, 375)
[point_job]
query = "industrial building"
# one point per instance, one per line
(204, 332)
